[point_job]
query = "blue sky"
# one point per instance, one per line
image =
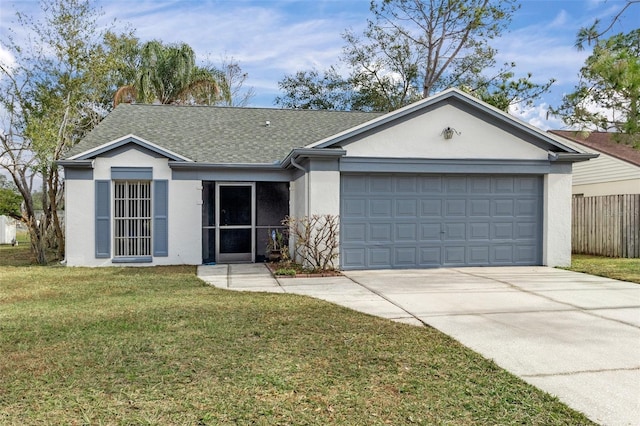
(271, 38)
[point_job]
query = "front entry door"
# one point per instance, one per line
(235, 216)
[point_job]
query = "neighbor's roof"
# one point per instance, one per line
(221, 134)
(602, 142)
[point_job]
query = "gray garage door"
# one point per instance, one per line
(417, 221)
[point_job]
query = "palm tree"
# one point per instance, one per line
(169, 75)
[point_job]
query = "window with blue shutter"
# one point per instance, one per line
(103, 219)
(160, 218)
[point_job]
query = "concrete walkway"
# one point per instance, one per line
(573, 335)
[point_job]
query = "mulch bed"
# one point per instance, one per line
(273, 267)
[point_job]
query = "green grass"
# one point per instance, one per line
(156, 346)
(616, 268)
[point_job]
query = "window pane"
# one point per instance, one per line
(235, 205)
(208, 203)
(272, 203)
(235, 241)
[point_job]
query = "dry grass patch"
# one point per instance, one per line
(156, 346)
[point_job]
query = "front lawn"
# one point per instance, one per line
(616, 268)
(157, 346)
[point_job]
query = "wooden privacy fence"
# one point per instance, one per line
(607, 226)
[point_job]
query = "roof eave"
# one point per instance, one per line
(237, 166)
(569, 157)
(312, 153)
(76, 164)
(130, 138)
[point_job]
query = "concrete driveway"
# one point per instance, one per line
(573, 335)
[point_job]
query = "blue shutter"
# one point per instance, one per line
(103, 219)
(160, 218)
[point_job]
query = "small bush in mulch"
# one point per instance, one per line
(293, 270)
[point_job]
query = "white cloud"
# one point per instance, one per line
(537, 115)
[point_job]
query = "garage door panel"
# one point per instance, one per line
(503, 207)
(405, 256)
(479, 208)
(455, 231)
(455, 208)
(380, 208)
(502, 231)
(406, 232)
(406, 184)
(380, 257)
(525, 254)
(381, 184)
(354, 233)
(409, 220)
(526, 231)
(431, 232)
(355, 184)
(454, 255)
(456, 185)
(504, 185)
(380, 232)
(431, 208)
(478, 255)
(526, 208)
(406, 208)
(479, 231)
(354, 208)
(528, 185)
(431, 184)
(502, 254)
(430, 256)
(352, 257)
(480, 185)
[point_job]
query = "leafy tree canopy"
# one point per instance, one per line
(411, 49)
(607, 97)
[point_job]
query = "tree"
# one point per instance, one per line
(607, 97)
(168, 74)
(413, 48)
(311, 90)
(10, 199)
(593, 33)
(53, 95)
(231, 79)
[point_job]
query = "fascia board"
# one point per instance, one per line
(312, 153)
(130, 138)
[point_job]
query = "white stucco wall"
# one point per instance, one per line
(317, 192)
(556, 244)
(421, 137)
(184, 216)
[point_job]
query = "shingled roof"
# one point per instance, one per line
(221, 134)
(602, 142)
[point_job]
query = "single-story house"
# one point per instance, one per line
(447, 181)
(615, 171)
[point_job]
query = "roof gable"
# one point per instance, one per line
(462, 101)
(121, 143)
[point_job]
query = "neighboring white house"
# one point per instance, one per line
(7, 230)
(615, 171)
(446, 181)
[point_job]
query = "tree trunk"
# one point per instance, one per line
(54, 220)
